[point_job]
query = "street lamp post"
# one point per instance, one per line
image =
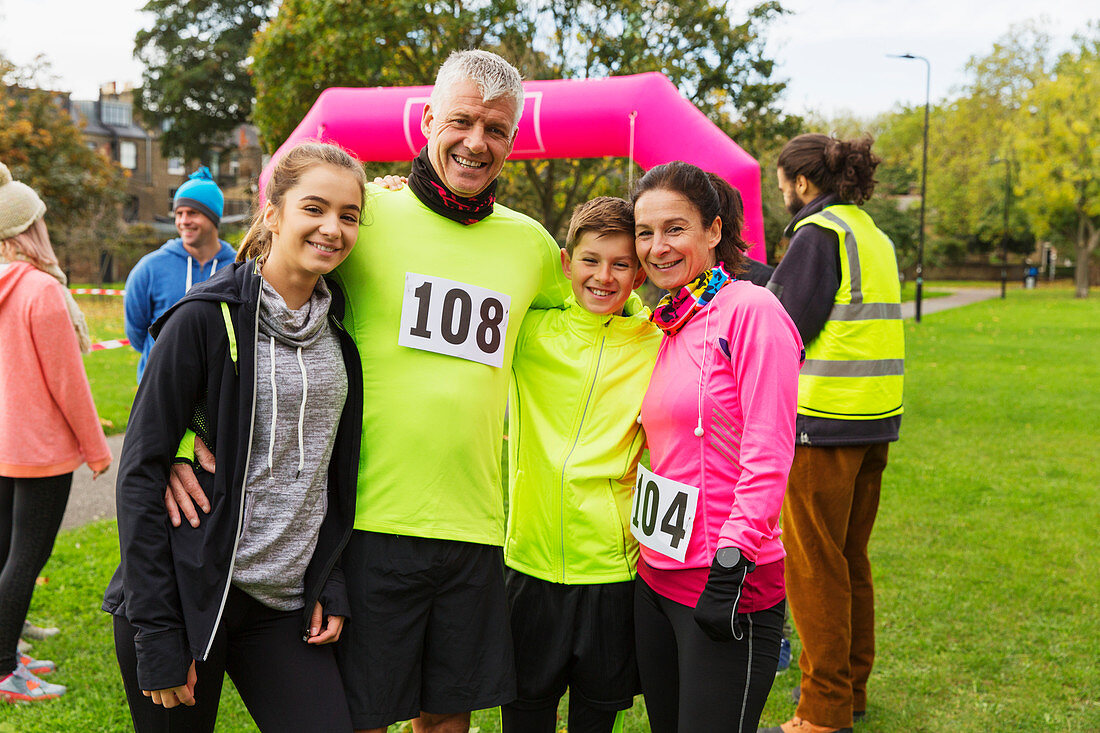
(1004, 231)
(923, 173)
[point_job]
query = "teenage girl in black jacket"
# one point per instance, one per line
(256, 590)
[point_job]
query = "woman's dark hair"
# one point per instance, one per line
(732, 210)
(843, 167)
(694, 184)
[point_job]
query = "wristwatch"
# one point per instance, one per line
(728, 557)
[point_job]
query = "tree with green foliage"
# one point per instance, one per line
(1056, 134)
(196, 85)
(44, 148)
(969, 137)
(718, 62)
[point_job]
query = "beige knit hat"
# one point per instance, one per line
(19, 205)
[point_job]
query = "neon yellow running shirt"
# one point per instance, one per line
(429, 463)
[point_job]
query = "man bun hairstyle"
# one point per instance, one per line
(494, 77)
(602, 215)
(694, 184)
(843, 167)
(287, 172)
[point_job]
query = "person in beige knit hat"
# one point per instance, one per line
(23, 237)
(48, 421)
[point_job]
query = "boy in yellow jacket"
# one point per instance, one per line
(578, 378)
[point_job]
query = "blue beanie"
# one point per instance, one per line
(202, 194)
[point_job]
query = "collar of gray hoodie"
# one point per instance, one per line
(296, 328)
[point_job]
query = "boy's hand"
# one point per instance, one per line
(184, 492)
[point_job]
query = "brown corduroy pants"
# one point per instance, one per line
(832, 498)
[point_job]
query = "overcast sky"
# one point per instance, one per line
(832, 52)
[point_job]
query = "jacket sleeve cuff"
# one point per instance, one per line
(163, 659)
(334, 595)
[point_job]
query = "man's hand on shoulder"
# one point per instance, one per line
(391, 183)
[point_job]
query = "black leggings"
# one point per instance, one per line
(287, 685)
(30, 515)
(692, 683)
(583, 718)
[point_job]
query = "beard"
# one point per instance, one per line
(794, 205)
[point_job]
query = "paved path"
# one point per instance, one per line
(93, 500)
(956, 299)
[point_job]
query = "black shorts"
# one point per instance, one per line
(429, 628)
(575, 636)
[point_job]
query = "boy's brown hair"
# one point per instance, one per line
(602, 215)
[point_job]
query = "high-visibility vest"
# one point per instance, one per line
(854, 367)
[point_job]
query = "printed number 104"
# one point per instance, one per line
(647, 505)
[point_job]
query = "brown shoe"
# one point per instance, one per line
(798, 725)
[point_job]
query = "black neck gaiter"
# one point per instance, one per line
(429, 188)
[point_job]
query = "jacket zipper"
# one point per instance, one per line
(331, 562)
(247, 460)
(576, 439)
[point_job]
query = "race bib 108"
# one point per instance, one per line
(663, 513)
(455, 319)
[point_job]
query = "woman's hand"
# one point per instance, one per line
(716, 610)
(97, 473)
(173, 696)
(331, 631)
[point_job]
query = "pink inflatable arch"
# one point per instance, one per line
(642, 117)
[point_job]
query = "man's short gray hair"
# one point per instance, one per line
(494, 77)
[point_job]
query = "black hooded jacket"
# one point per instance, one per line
(172, 582)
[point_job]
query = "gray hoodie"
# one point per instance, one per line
(301, 385)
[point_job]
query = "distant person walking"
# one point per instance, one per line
(48, 422)
(839, 282)
(162, 277)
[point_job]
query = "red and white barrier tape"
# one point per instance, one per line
(96, 291)
(112, 344)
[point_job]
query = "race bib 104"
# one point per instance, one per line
(663, 513)
(454, 319)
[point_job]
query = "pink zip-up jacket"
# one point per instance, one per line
(48, 422)
(747, 352)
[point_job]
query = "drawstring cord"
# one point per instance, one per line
(274, 414)
(213, 269)
(302, 415)
(703, 375)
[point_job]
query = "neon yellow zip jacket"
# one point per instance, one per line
(429, 465)
(574, 442)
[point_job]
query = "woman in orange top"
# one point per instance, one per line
(48, 422)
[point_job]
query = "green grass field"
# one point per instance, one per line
(986, 561)
(112, 373)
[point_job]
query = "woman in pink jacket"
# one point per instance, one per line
(719, 416)
(48, 422)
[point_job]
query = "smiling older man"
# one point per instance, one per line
(437, 289)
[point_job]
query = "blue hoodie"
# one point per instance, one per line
(157, 282)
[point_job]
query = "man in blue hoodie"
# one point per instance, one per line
(161, 278)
